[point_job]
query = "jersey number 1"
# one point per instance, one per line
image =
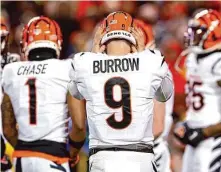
(32, 100)
(124, 103)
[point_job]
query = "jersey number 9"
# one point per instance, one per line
(124, 103)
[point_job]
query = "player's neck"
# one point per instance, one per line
(118, 48)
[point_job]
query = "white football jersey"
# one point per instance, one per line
(38, 90)
(203, 93)
(119, 92)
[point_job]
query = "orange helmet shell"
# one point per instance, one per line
(41, 32)
(211, 21)
(118, 25)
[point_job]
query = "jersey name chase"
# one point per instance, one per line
(116, 65)
(32, 69)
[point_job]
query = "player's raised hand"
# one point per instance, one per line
(97, 47)
(140, 38)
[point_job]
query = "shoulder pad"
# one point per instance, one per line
(81, 54)
(156, 55)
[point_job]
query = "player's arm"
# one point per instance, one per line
(158, 118)
(162, 94)
(77, 110)
(78, 132)
(212, 130)
(8, 121)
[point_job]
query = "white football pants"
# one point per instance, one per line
(122, 161)
(215, 163)
(198, 159)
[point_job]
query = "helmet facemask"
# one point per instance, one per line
(195, 34)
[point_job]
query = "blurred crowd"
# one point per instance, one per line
(78, 19)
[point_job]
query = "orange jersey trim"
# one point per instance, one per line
(56, 159)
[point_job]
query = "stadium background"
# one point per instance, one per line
(78, 19)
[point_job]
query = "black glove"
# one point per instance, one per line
(196, 137)
(192, 136)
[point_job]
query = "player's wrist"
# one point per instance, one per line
(76, 144)
(205, 132)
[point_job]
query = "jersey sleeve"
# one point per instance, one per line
(166, 88)
(73, 84)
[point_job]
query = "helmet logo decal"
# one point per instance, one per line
(37, 31)
(113, 22)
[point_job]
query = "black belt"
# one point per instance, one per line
(43, 146)
(93, 151)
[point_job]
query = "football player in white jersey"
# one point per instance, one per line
(162, 112)
(5, 58)
(203, 65)
(119, 88)
(35, 96)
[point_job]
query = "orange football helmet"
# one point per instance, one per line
(148, 31)
(41, 32)
(204, 30)
(118, 25)
(203, 36)
(4, 33)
